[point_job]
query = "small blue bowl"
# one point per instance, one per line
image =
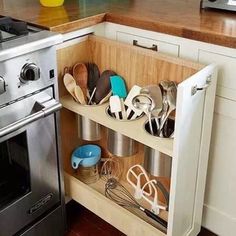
(86, 156)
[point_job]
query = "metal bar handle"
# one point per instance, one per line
(153, 47)
(30, 119)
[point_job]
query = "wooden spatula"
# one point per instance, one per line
(70, 84)
(103, 85)
(80, 75)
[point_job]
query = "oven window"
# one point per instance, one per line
(14, 169)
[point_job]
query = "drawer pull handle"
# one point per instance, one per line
(153, 47)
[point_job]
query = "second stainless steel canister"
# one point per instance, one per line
(157, 163)
(121, 145)
(87, 129)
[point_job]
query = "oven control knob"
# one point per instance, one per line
(29, 72)
(3, 85)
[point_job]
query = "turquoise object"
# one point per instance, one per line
(118, 86)
(86, 156)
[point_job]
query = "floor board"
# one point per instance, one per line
(82, 222)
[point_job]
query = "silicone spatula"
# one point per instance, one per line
(115, 105)
(119, 88)
(135, 90)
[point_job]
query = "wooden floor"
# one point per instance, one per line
(82, 222)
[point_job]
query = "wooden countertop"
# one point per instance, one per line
(180, 17)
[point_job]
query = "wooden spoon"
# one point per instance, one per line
(70, 85)
(79, 94)
(80, 74)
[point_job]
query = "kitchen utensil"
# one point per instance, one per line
(164, 191)
(88, 175)
(103, 85)
(70, 85)
(120, 195)
(171, 95)
(135, 90)
(88, 129)
(144, 103)
(119, 88)
(154, 92)
(79, 95)
(106, 98)
(156, 163)
(115, 106)
(92, 95)
(153, 201)
(111, 168)
(80, 74)
(86, 156)
(134, 176)
(93, 76)
(120, 145)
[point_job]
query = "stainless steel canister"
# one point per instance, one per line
(88, 130)
(121, 145)
(157, 163)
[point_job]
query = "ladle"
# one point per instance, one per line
(145, 103)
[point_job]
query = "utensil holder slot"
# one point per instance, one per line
(112, 115)
(121, 145)
(167, 131)
(88, 129)
(156, 163)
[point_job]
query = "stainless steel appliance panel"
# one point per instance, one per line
(41, 139)
(51, 225)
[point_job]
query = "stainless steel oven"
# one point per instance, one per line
(31, 188)
(29, 176)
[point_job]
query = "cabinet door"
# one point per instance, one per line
(190, 114)
(165, 47)
(220, 207)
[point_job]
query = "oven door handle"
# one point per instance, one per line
(54, 107)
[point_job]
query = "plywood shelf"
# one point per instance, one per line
(132, 129)
(92, 197)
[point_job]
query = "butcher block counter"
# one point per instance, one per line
(180, 17)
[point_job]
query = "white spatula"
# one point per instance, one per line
(135, 90)
(115, 105)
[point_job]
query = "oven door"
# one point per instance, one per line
(29, 172)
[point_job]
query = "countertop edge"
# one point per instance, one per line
(162, 27)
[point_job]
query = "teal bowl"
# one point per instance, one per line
(86, 156)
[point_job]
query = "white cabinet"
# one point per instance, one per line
(220, 207)
(189, 148)
(219, 211)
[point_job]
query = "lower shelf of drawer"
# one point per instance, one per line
(132, 223)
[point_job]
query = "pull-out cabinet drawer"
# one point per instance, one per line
(189, 148)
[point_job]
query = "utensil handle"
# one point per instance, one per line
(156, 218)
(153, 47)
(150, 123)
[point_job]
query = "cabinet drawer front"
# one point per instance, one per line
(226, 75)
(167, 48)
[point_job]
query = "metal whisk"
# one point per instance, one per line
(120, 195)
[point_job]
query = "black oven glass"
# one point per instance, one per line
(14, 169)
